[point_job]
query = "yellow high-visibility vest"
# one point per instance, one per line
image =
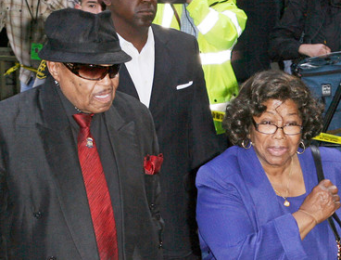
(219, 25)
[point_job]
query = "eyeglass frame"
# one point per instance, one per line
(72, 67)
(281, 127)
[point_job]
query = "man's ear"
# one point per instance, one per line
(78, 6)
(54, 69)
(107, 2)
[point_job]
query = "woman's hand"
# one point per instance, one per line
(319, 205)
(322, 202)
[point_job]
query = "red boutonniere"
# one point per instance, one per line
(152, 164)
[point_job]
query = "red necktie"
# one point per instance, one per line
(102, 213)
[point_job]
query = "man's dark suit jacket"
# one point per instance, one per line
(184, 126)
(44, 212)
(250, 54)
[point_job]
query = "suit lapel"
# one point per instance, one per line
(126, 84)
(163, 78)
(125, 146)
(61, 150)
(123, 138)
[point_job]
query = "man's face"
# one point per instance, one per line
(92, 6)
(135, 13)
(87, 95)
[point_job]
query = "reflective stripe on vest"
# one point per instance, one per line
(221, 107)
(167, 16)
(215, 58)
(208, 23)
(234, 20)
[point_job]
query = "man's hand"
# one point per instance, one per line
(313, 50)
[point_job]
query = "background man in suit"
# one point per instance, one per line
(165, 74)
(250, 54)
(48, 188)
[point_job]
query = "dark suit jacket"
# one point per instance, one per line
(311, 22)
(184, 126)
(44, 209)
(250, 54)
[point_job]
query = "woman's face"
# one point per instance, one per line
(275, 150)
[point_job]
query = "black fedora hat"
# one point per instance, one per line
(77, 36)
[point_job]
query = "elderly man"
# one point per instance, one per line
(92, 6)
(78, 160)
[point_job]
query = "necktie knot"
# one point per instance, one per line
(83, 120)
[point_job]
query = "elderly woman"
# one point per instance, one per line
(261, 199)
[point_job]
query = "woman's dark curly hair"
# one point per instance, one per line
(271, 84)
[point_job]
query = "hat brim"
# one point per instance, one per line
(97, 58)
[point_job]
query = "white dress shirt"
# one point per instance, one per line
(141, 67)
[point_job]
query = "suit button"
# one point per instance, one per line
(38, 215)
(151, 206)
(51, 258)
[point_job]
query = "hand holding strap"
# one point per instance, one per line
(320, 176)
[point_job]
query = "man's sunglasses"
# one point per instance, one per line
(93, 72)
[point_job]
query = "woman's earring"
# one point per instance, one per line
(246, 147)
(303, 147)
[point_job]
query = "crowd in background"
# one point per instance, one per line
(268, 39)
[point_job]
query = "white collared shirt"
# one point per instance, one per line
(141, 67)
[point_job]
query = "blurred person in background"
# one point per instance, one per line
(92, 6)
(24, 22)
(250, 54)
(307, 29)
(217, 25)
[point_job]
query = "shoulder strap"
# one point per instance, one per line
(320, 176)
(332, 108)
(317, 159)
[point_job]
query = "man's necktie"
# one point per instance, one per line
(97, 190)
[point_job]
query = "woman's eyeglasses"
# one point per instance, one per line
(270, 129)
(93, 72)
